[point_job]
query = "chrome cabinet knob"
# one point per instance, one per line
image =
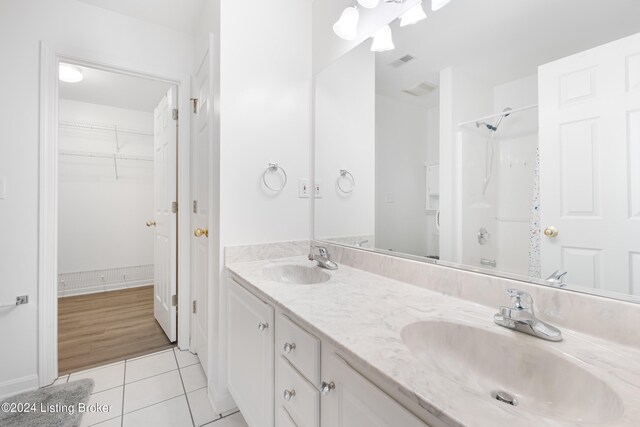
(288, 394)
(151, 223)
(326, 387)
(262, 326)
(550, 232)
(288, 347)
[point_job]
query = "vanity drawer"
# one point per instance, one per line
(303, 404)
(283, 419)
(299, 347)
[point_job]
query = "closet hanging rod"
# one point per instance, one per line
(104, 155)
(104, 127)
(501, 114)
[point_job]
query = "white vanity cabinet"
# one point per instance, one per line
(282, 375)
(251, 355)
(350, 400)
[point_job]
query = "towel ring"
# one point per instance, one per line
(346, 175)
(273, 167)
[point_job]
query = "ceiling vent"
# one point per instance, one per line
(421, 89)
(402, 61)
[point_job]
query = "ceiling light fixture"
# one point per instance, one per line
(382, 40)
(368, 4)
(70, 73)
(413, 15)
(438, 4)
(347, 26)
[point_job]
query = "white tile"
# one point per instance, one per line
(235, 420)
(229, 412)
(186, 358)
(105, 377)
(146, 367)
(150, 354)
(152, 390)
(193, 377)
(201, 407)
(170, 413)
(112, 398)
(114, 422)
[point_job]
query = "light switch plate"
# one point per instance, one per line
(318, 193)
(303, 188)
(3, 188)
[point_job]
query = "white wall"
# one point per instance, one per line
(67, 26)
(402, 146)
(264, 106)
(102, 219)
(345, 139)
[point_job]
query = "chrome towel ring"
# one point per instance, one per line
(273, 167)
(345, 175)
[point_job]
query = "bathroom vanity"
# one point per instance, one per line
(311, 347)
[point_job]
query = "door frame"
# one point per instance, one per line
(47, 299)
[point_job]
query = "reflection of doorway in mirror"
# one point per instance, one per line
(590, 166)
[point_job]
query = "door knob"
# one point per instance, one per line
(289, 347)
(550, 232)
(288, 394)
(326, 387)
(151, 223)
(199, 232)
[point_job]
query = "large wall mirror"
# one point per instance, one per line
(501, 136)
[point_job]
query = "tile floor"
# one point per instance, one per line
(167, 388)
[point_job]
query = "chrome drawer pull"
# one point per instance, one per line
(326, 387)
(288, 394)
(262, 326)
(288, 348)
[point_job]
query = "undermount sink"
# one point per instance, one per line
(486, 362)
(296, 274)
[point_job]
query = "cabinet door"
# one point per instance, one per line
(355, 402)
(250, 356)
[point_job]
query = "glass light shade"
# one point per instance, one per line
(369, 4)
(438, 4)
(382, 40)
(347, 26)
(70, 73)
(413, 15)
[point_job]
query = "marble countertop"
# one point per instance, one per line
(363, 315)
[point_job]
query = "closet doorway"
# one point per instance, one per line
(117, 216)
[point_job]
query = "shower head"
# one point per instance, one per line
(494, 128)
(505, 114)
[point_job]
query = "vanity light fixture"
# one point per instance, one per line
(368, 4)
(70, 73)
(413, 15)
(347, 26)
(382, 40)
(438, 4)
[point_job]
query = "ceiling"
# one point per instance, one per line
(499, 40)
(115, 90)
(180, 15)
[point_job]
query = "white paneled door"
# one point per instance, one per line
(590, 166)
(165, 252)
(200, 209)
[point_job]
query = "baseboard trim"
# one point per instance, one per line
(18, 385)
(221, 402)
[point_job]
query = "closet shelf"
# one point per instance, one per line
(102, 127)
(111, 156)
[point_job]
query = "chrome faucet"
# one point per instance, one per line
(520, 317)
(557, 279)
(323, 258)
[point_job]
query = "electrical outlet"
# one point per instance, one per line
(303, 188)
(318, 192)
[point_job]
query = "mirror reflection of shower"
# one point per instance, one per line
(489, 148)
